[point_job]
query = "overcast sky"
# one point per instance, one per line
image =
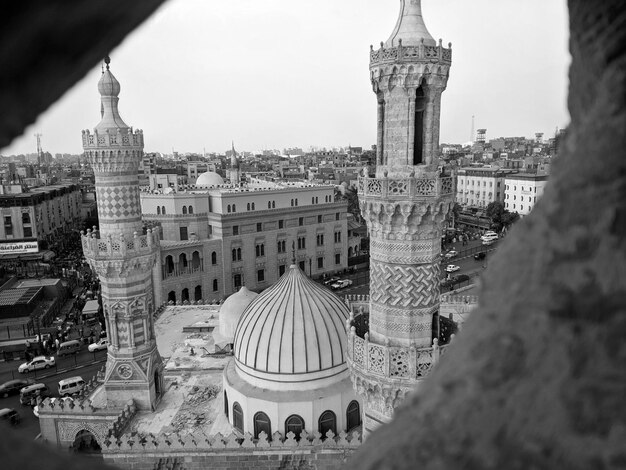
(287, 73)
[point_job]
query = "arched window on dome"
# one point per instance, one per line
(228, 208)
(294, 424)
(353, 415)
(262, 423)
(237, 417)
(184, 210)
(214, 258)
(190, 209)
(158, 210)
(327, 422)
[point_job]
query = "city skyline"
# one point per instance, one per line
(270, 74)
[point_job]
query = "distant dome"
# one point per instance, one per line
(209, 178)
(293, 335)
(231, 311)
(108, 84)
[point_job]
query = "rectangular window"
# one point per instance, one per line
(281, 224)
(260, 275)
(183, 233)
(320, 262)
(319, 219)
(259, 227)
(301, 265)
(210, 229)
(301, 221)
(338, 258)
(320, 239)
(235, 229)
(281, 270)
(337, 237)
(28, 232)
(337, 215)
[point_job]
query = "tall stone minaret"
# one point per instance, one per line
(404, 205)
(235, 168)
(123, 254)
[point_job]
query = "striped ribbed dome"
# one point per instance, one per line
(293, 332)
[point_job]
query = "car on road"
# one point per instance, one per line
(451, 254)
(452, 268)
(489, 242)
(66, 401)
(479, 256)
(331, 281)
(39, 362)
(13, 387)
(10, 416)
(100, 345)
(340, 284)
(489, 236)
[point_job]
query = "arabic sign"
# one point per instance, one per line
(19, 247)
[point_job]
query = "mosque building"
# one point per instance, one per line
(309, 372)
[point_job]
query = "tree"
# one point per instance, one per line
(495, 211)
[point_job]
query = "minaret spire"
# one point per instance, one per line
(410, 28)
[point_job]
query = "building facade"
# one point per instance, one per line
(44, 213)
(218, 239)
(404, 205)
(522, 191)
(480, 186)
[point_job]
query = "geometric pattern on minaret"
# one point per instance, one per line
(404, 205)
(122, 253)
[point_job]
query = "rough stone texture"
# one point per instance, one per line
(47, 46)
(538, 377)
(537, 380)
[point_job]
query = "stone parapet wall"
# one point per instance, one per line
(118, 245)
(232, 451)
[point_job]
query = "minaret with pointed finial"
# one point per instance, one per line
(122, 253)
(235, 171)
(404, 205)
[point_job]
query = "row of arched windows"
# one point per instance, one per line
(232, 208)
(161, 210)
(183, 261)
(294, 423)
(294, 200)
(186, 294)
(187, 209)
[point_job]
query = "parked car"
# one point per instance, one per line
(452, 268)
(451, 254)
(39, 362)
(29, 395)
(479, 256)
(100, 345)
(13, 387)
(341, 284)
(10, 416)
(331, 281)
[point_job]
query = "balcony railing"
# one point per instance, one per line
(115, 246)
(421, 53)
(405, 187)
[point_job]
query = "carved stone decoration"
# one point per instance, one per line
(124, 371)
(67, 430)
